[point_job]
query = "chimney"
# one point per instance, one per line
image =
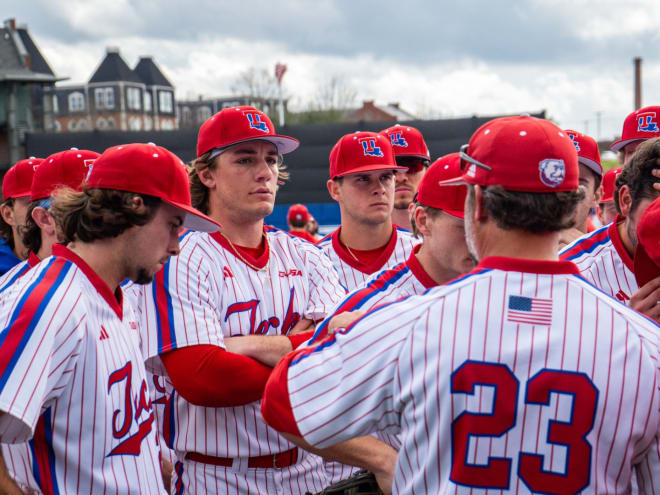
(112, 49)
(638, 82)
(395, 104)
(11, 24)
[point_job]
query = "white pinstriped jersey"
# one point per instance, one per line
(352, 273)
(566, 402)
(73, 383)
(603, 260)
(17, 271)
(206, 294)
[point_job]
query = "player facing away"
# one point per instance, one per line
(605, 257)
(73, 381)
(591, 174)
(297, 219)
(16, 197)
(226, 310)
(607, 208)
(518, 377)
(362, 170)
(410, 152)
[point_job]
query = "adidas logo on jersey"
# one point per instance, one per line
(104, 333)
(227, 272)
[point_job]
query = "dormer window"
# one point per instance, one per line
(165, 102)
(76, 102)
(147, 101)
(104, 98)
(134, 98)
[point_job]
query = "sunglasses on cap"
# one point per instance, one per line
(465, 159)
(413, 163)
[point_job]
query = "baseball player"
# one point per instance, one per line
(647, 254)
(606, 208)
(362, 170)
(518, 377)
(638, 126)
(39, 232)
(411, 152)
(297, 219)
(591, 174)
(72, 381)
(16, 195)
(605, 257)
(228, 307)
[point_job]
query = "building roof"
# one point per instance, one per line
(113, 69)
(37, 61)
(147, 70)
(15, 57)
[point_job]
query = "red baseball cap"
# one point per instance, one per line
(18, 179)
(65, 168)
(647, 255)
(523, 154)
(640, 125)
(362, 152)
(298, 212)
(587, 150)
(238, 125)
(151, 170)
(407, 141)
(608, 185)
(431, 193)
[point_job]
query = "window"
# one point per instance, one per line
(148, 123)
(135, 123)
(133, 96)
(76, 102)
(165, 101)
(104, 98)
(101, 123)
(186, 116)
(55, 105)
(82, 125)
(147, 101)
(203, 113)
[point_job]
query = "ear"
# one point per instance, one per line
(44, 220)
(421, 220)
(598, 195)
(138, 203)
(625, 200)
(333, 189)
(207, 177)
(7, 214)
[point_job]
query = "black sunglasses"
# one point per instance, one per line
(413, 163)
(467, 158)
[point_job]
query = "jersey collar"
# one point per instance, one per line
(259, 262)
(418, 270)
(115, 300)
(613, 232)
(33, 260)
(527, 266)
(346, 257)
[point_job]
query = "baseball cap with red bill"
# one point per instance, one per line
(236, 125)
(608, 185)
(18, 179)
(431, 193)
(407, 141)
(63, 169)
(640, 125)
(522, 154)
(298, 212)
(587, 150)
(362, 152)
(646, 264)
(151, 170)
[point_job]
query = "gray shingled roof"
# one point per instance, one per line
(12, 65)
(150, 74)
(37, 61)
(113, 68)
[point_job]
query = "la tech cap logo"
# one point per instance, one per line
(523, 154)
(238, 125)
(407, 141)
(64, 169)
(18, 179)
(587, 150)
(640, 125)
(362, 152)
(450, 199)
(151, 170)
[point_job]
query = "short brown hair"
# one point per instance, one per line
(538, 213)
(430, 211)
(199, 193)
(95, 214)
(637, 174)
(30, 232)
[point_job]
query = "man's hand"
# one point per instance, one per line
(656, 173)
(342, 320)
(304, 325)
(646, 299)
(568, 236)
(267, 349)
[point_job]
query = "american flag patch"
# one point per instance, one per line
(530, 310)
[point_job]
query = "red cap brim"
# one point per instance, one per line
(644, 267)
(196, 220)
(372, 168)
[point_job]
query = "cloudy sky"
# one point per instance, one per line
(437, 58)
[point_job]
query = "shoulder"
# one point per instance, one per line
(586, 244)
(7, 257)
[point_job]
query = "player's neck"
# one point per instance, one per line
(104, 258)
(519, 244)
(435, 270)
(401, 217)
(622, 229)
(364, 237)
(248, 234)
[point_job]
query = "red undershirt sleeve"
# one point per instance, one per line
(276, 405)
(209, 376)
(300, 338)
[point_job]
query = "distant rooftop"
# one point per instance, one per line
(149, 73)
(113, 68)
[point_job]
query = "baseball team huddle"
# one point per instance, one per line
(471, 325)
